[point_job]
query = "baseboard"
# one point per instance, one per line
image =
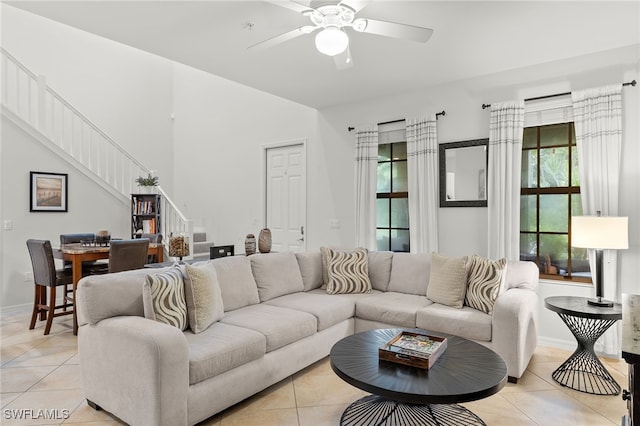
(569, 346)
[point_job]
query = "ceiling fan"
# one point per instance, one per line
(333, 19)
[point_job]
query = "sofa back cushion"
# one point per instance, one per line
(276, 274)
(410, 273)
(310, 264)
(236, 282)
(380, 269)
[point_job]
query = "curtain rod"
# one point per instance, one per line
(485, 106)
(438, 114)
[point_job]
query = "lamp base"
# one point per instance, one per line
(599, 301)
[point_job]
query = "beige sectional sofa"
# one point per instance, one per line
(277, 320)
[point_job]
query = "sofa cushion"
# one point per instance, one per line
(280, 326)
(276, 274)
(220, 348)
(484, 281)
(410, 273)
(380, 269)
(448, 280)
(392, 308)
(203, 296)
(236, 282)
(328, 309)
(465, 322)
(310, 264)
(163, 298)
(348, 272)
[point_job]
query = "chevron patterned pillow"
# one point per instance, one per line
(484, 283)
(348, 271)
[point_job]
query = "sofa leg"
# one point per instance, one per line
(512, 379)
(94, 405)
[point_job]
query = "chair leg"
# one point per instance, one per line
(36, 309)
(64, 298)
(52, 307)
(43, 301)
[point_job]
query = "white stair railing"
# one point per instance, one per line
(27, 96)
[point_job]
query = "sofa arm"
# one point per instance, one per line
(515, 328)
(137, 369)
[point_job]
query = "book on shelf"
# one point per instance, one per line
(149, 226)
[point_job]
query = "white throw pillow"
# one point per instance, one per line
(203, 295)
(447, 280)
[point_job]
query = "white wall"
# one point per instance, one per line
(125, 91)
(220, 131)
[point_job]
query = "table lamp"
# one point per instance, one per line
(600, 233)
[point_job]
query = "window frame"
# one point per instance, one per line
(392, 195)
(537, 191)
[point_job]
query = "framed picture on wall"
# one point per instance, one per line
(48, 192)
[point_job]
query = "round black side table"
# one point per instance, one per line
(583, 371)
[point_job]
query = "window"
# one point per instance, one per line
(550, 195)
(392, 204)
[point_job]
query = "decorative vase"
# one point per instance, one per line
(250, 244)
(264, 240)
(179, 246)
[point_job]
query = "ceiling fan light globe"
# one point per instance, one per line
(332, 41)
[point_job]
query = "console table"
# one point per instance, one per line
(631, 354)
(583, 371)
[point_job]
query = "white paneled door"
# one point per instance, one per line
(286, 197)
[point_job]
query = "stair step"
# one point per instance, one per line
(199, 237)
(202, 247)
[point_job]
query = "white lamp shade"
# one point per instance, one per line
(332, 41)
(600, 232)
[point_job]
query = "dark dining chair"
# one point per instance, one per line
(125, 255)
(90, 267)
(46, 275)
(155, 239)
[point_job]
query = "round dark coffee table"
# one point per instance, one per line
(403, 395)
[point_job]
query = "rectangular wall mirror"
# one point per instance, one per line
(463, 173)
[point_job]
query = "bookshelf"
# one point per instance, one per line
(145, 214)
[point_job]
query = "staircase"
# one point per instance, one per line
(29, 102)
(201, 245)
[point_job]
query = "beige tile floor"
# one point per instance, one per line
(42, 372)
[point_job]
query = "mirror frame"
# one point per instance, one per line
(443, 147)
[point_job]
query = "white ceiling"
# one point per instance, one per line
(470, 39)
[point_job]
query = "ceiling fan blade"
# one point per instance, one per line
(290, 4)
(281, 38)
(392, 29)
(356, 5)
(343, 60)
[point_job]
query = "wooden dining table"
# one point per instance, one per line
(77, 253)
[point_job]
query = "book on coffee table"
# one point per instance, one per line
(414, 349)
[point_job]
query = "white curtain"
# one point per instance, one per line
(503, 186)
(422, 169)
(366, 188)
(598, 123)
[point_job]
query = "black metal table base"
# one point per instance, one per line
(374, 410)
(583, 371)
